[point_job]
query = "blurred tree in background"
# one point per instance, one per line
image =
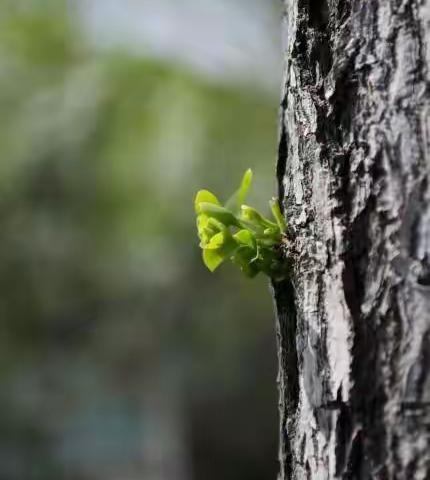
(121, 356)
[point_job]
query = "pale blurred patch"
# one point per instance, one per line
(226, 40)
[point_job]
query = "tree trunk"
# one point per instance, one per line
(353, 170)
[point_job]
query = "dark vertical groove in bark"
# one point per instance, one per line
(281, 164)
(353, 174)
(283, 293)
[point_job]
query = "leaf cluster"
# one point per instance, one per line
(240, 233)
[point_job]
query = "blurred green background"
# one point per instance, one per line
(121, 357)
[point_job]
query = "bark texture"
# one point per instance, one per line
(353, 169)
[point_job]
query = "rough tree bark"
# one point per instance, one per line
(353, 170)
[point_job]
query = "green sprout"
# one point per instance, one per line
(240, 233)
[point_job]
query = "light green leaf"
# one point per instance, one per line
(202, 221)
(245, 237)
(277, 214)
(249, 214)
(219, 213)
(207, 227)
(216, 224)
(213, 259)
(235, 201)
(223, 241)
(216, 241)
(205, 231)
(205, 196)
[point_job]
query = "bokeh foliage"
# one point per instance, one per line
(104, 300)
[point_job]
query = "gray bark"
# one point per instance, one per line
(353, 170)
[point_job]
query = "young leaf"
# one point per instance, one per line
(216, 241)
(251, 215)
(219, 213)
(277, 214)
(216, 224)
(212, 259)
(245, 237)
(205, 196)
(205, 230)
(235, 201)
